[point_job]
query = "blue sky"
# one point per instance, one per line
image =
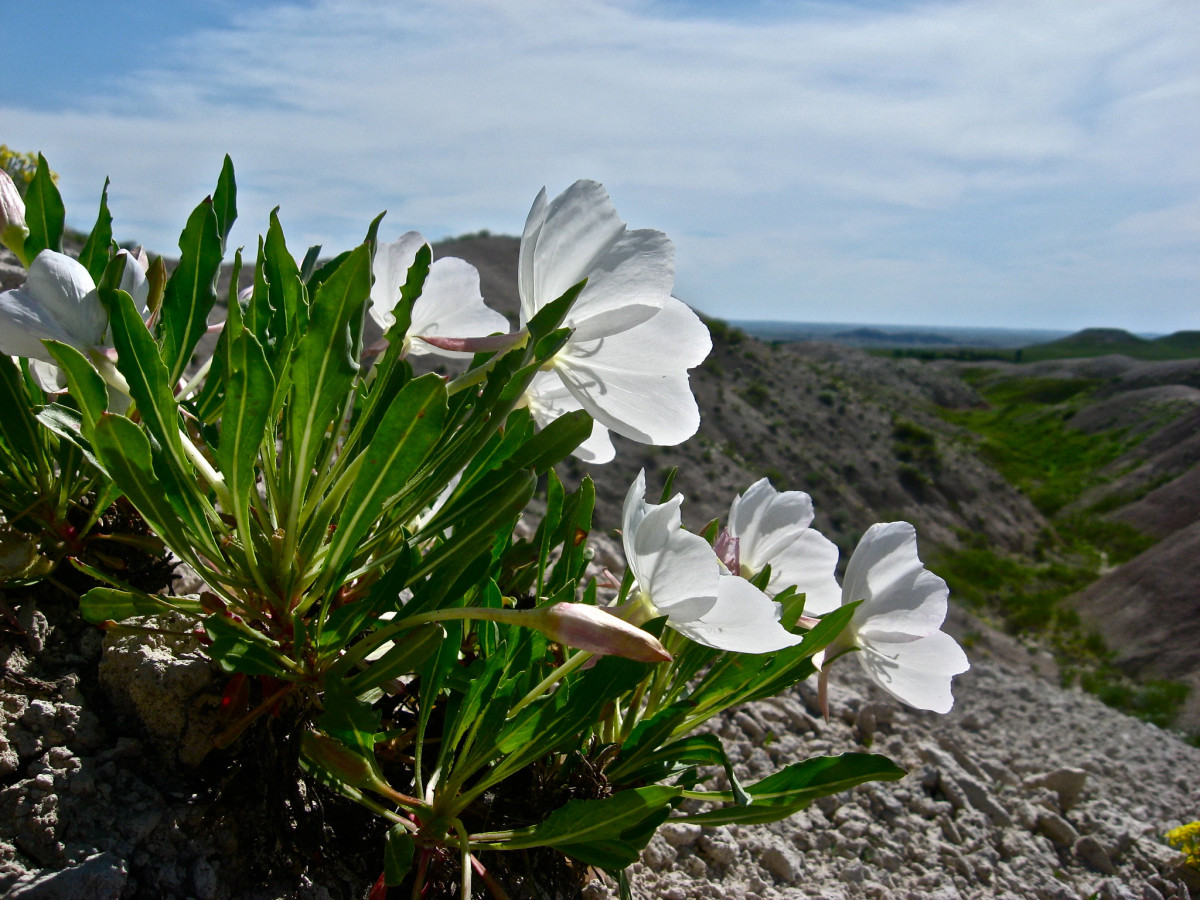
(1012, 163)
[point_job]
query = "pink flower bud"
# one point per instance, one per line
(13, 229)
(598, 631)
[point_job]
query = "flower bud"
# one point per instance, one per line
(13, 229)
(598, 631)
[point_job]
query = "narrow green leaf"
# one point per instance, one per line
(94, 254)
(84, 382)
(191, 290)
(238, 649)
(609, 833)
(44, 213)
(285, 290)
(245, 417)
(225, 201)
(67, 424)
(794, 787)
(323, 366)
(109, 604)
(408, 430)
(408, 652)
(18, 429)
(480, 521)
(139, 362)
(126, 455)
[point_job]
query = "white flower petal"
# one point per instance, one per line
(678, 574)
(744, 620)
(548, 398)
(451, 305)
(390, 268)
(809, 563)
(904, 600)
(579, 235)
(917, 672)
(134, 281)
(57, 302)
(24, 324)
(772, 528)
(636, 382)
(676, 568)
(767, 520)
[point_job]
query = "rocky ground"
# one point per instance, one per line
(1024, 790)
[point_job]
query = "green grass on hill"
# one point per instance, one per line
(1086, 344)
(1025, 435)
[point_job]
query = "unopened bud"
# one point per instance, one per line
(598, 631)
(13, 229)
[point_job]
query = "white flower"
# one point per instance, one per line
(772, 528)
(678, 575)
(632, 343)
(548, 398)
(450, 304)
(59, 302)
(897, 627)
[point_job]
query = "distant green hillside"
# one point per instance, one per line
(1083, 344)
(1104, 341)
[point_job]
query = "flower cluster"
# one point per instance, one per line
(900, 605)
(1186, 839)
(354, 522)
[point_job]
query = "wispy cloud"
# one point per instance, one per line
(1007, 163)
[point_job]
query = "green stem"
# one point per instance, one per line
(464, 846)
(550, 680)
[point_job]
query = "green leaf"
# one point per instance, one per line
(94, 254)
(67, 424)
(18, 430)
(285, 290)
(349, 720)
(793, 788)
(126, 455)
(323, 366)
(191, 290)
(398, 851)
(408, 430)
(476, 523)
(573, 707)
(409, 651)
(550, 317)
(139, 362)
(349, 619)
(239, 649)
(609, 833)
(109, 604)
(245, 418)
(85, 383)
(44, 213)
(225, 201)
(555, 442)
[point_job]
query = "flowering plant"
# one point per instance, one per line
(355, 525)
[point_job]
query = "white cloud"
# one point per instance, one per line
(874, 161)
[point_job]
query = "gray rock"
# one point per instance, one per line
(1091, 853)
(99, 877)
(1067, 783)
(1058, 829)
(680, 834)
